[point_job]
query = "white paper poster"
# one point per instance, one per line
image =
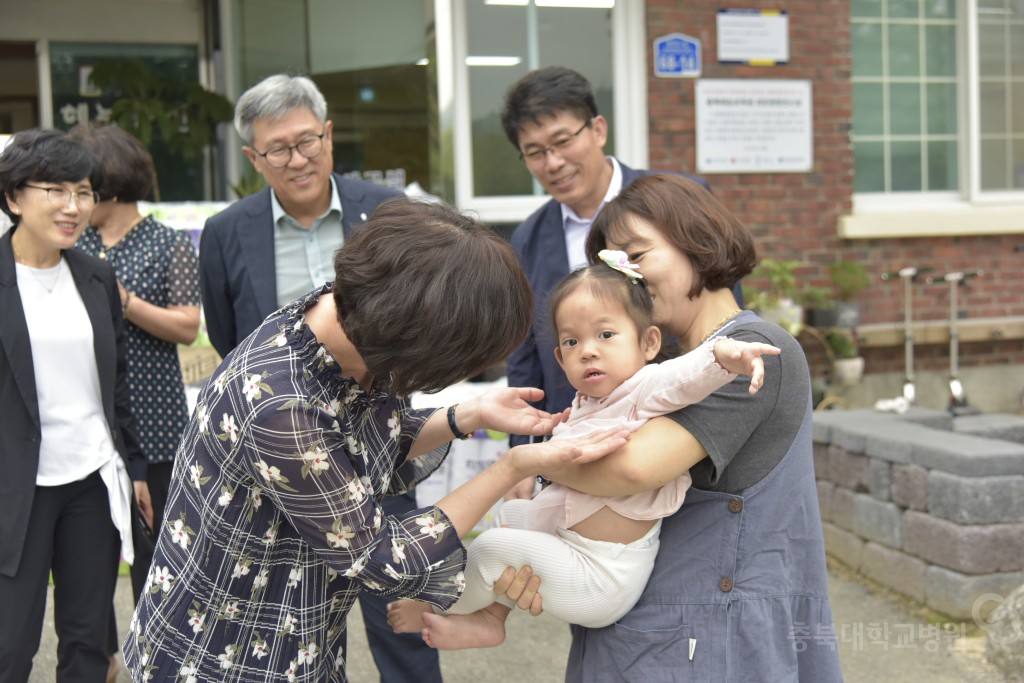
(754, 126)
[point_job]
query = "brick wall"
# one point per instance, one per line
(795, 216)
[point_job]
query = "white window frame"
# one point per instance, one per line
(629, 67)
(934, 214)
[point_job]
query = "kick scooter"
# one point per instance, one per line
(958, 404)
(908, 275)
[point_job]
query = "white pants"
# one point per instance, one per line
(586, 582)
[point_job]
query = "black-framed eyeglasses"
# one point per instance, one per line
(309, 147)
(60, 196)
(558, 146)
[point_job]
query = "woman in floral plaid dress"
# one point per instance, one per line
(273, 521)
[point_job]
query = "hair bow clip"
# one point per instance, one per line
(617, 260)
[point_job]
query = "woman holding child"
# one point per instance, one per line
(739, 590)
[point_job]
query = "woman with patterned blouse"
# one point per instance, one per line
(274, 521)
(158, 277)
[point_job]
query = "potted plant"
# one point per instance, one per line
(849, 278)
(819, 306)
(847, 363)
(776, 303)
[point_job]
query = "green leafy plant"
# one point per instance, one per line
(849, 278)
(815, 297)
(251, 183)
(781, 277)
(842, 343)
(181, 114)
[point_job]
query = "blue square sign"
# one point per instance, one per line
(677, 56)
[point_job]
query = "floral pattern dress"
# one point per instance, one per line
(274, 522)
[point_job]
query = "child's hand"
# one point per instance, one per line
(744, 358)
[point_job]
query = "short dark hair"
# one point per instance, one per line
(607, 285)
(46, 156)
(546, 92)
(718, 245)
(429, 295)
(127, 166)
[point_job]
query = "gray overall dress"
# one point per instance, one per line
(739, 592)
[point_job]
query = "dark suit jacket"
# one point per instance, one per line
(20, 430)
(540, 243)
(236, 259)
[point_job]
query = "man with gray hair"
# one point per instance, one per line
(270, 248)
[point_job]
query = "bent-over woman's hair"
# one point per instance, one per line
(429, 296)
(44, 155)
(128, 170)
(272, 98)
(610, 286)
(718, 245)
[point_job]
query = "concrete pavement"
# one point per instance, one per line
(881, 638)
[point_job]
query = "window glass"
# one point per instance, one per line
(940, 9)
(940, 56)
(504, 43)
(905, 108)
(993, 108)
(868, 109)
(904, 51)
(941, 108)
(994, 164)
(903, 9)
(271, 37)
(866, 8)
(991, 49)
(75, 101)
(905, 111)
(942, 165)
(1001, 105)
(867, 49)
(374, 64)
(906, 167)
(869, 159)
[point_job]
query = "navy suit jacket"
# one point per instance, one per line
(236, 259)
(540, 243)
(20, 428)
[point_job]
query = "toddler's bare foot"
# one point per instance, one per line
(483, 628)
(406, 616)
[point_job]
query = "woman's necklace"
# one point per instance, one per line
(35, 275)
(104, 252)
(719, 324)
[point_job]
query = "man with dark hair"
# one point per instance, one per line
(272, 247)
(550, 116)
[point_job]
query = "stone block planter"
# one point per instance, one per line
(923, 504)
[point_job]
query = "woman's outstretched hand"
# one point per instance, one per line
(744, 358)
(507, 409)
(548, 455)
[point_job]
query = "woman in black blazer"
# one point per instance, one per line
(67, 437)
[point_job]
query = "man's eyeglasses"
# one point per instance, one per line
(309, 147)
(559, 146)
(58, 196)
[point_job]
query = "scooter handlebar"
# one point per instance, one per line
(908, 272)
(957, 276)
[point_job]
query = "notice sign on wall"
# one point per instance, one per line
(754, 126)
(751, 36)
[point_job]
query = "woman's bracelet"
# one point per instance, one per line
(451, 424)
